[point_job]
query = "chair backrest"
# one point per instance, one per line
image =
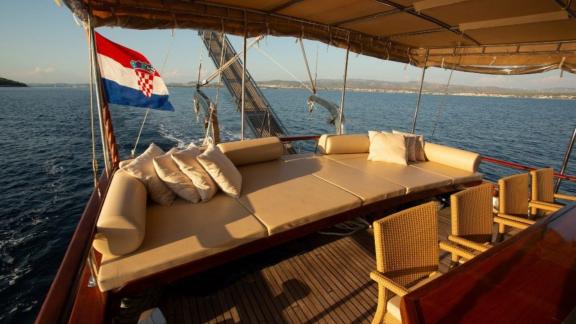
(513, 194)
(543, 185)
(407, 243)
(471, 212)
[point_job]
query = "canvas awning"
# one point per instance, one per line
(484, 36)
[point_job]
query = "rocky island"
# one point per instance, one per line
(10, 83)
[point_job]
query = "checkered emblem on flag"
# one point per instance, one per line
(145, 82)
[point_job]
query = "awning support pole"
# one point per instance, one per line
(243, 88)
(99, 98)
(566, 159)
(419, 95)
(340, 125)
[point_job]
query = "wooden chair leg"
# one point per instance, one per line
(381, 308)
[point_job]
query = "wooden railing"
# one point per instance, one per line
(60, 299)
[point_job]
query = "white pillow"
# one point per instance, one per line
(142, 168)
(387, 147)
(169, 172)
(186, 161)
(222, 170)
(418, 146)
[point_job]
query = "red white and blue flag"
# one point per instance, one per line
(128, 78)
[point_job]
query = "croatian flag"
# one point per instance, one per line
(128, 77)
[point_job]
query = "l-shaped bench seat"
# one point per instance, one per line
(279, 193)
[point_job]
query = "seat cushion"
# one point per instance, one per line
(285, 195)
(182, 233)
(458, 176)
(393, 305)
(368, 188)
(410, 177)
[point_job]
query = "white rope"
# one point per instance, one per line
(442, 104)
(168, 51)
(92, 127)
(307, 66)
(284, 69)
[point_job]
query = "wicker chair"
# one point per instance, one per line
(406, 256)
(473, 220)
(543, 191)
(514, 201)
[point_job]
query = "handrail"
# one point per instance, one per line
(58, 302)
(297, 138)
(518, 166)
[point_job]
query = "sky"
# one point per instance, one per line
(41, 43)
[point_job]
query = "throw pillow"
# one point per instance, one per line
(222, 170)
(418, 142)
(186, 161)
(169, 172)
(388, 147)
(142, 168)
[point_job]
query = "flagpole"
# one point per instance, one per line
(99, 97)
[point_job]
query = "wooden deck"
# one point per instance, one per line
(316, 279)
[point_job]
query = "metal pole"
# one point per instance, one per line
(566, 159)
(243, 87)
(419, 95)
(341, 114)
(99, 98)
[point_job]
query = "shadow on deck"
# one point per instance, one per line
(315, 279)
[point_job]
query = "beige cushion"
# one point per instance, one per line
(284, 195)
(182, 233)
(173, 177)
(450, 156)
(253, 150)
(186, 160)
(142, 168)
(412, 178)
(417, 146)
(393, 305)
(222, 170)
(387, 147)
(366, 187)
(343, 144)
(458, 176)
(122, 221)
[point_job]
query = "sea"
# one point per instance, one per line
(46, 155)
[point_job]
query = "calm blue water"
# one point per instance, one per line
(45, 164)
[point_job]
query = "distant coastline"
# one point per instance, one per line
(361, 85)
(11, 83)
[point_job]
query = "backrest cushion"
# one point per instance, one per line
(222, 170)
(189, 165)
(387, 147)
(122, 222)
(174, 178)
(142, 168)
(343, 144)
(453, 157)
(253, 150)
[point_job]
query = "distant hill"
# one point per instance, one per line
(429, 88)
(361, 85)
(10, 83)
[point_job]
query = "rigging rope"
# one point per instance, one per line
(263, 52)
(442, 104)
(92, 127)
(307, 66)
(168, 51)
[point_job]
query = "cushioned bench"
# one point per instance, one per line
(280, 193)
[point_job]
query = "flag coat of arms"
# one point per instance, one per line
(128, 78)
